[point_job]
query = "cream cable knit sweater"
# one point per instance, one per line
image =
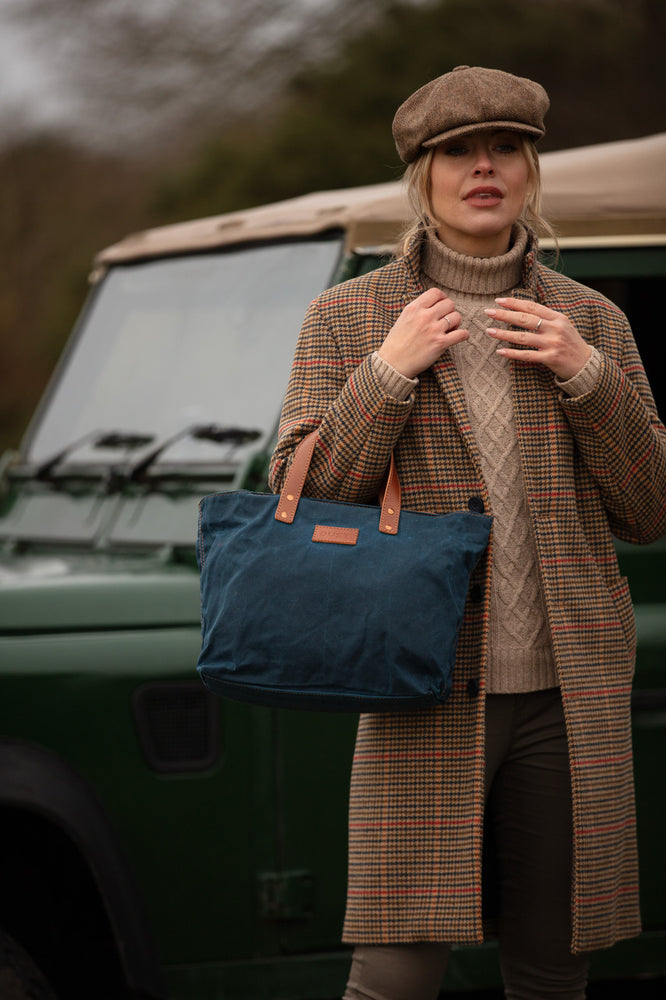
(520, 649)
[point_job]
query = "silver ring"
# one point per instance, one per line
(448, 323)
(536, 328)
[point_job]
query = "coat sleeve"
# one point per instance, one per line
(334, 387)
(623, 443)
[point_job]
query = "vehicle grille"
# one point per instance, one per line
(178, 725)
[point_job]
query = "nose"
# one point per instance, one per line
(483, 165)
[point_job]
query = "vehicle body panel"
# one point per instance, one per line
(225, 824)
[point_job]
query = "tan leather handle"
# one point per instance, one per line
(293, 484)
(390, 515)
(293, 487)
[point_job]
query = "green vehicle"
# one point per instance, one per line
(156, 841)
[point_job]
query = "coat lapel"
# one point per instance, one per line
(444, 371)
(451, 388)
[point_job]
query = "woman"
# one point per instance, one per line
(503, 386)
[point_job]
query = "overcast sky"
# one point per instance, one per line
(26, 88)
(108, 70)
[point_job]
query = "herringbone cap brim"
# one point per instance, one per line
(468, 99)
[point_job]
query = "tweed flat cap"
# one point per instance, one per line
(468, 99)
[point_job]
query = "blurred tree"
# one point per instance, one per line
(155, 76)
(57, 205)
(136, 75)
(599, 59)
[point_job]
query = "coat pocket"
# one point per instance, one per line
(621, 598)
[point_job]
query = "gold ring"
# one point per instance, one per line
(536, 328)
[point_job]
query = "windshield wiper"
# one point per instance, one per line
(233, 436)
(99, 439)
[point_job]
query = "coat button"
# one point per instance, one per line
(475, 504)
(473, 687)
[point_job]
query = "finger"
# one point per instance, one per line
(451, 320)
(522, 337)
(431, 297)
(527, 320)
(523, 356)
(527, 306)
(442, 308)
(451, 337)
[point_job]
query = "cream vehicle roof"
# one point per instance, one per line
(592, 194)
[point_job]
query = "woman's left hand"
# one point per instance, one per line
(550, 337)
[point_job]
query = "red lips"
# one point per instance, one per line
(484, 192)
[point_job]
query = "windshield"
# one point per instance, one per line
(185, 341)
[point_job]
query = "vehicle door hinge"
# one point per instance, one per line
(285, 895)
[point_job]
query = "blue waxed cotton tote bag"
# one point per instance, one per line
(330, 606)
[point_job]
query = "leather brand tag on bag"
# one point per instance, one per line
(336, 536)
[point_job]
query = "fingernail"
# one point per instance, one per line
(501, 302)
(490, 312)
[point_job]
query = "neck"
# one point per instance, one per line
(475, 246)
(470, 273)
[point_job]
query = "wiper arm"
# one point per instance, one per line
(233, 436)
(100, 439)
(201, 432)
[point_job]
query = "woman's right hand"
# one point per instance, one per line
(426, 327)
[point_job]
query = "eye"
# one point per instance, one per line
(456, 149)
(507, 145)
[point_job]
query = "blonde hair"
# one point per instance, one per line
(419, 190)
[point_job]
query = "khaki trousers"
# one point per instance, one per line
(528, 831)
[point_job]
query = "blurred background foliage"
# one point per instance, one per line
(257, 101)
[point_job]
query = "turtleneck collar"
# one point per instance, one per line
(474, 275)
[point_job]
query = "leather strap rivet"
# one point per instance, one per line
(290, 496)
(388, 527)
(391, 511)
(284, 514)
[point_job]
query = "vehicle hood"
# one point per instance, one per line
(44, 593)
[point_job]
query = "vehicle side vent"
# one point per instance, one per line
(178, 726)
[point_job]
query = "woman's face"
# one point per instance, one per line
(479, 184)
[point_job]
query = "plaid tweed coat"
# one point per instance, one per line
(593, 465)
